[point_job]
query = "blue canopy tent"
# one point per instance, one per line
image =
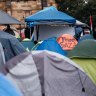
(50, 14)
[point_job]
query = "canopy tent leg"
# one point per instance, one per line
(30, 32)
(37, 30)
(37, 34)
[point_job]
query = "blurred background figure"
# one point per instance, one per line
(86, 31)
(28, 32)
(9, 30)
(78, 32)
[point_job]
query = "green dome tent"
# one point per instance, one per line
(84, 54)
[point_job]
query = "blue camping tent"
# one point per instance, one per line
(11, 46)
(6, 87)
(49, 14)
(52, 45)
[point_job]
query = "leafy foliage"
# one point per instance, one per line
(79, 9)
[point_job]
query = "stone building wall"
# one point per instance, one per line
(24, 8)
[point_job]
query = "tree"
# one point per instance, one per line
(79, 9)
(69, 6)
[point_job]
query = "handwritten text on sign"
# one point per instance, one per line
(67, 42)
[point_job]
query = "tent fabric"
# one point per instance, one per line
(28, 44)
(11, 45)
(79, 23)
(84, 54)
(2, 57)
(45, 72)
(84, 49)
(89, 66)
(49, 31)
(31, 24)
(7, 19)
(85, 37)
(52, 45)
(36, 46)
(50, 14)
(23, 73)
(7, 88)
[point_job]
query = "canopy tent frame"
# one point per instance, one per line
(49, 15)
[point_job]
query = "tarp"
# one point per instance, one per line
(52, 45)
(48, 73)
(11, 45)
(7, 88)
(48, 31)
(84, 54)
(67, 41)
(50, 14)
(7, 19)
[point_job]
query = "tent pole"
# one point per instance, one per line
(37, 28)
(30, 32)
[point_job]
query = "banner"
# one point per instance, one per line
(67, 42)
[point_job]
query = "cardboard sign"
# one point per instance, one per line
(67, 42)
